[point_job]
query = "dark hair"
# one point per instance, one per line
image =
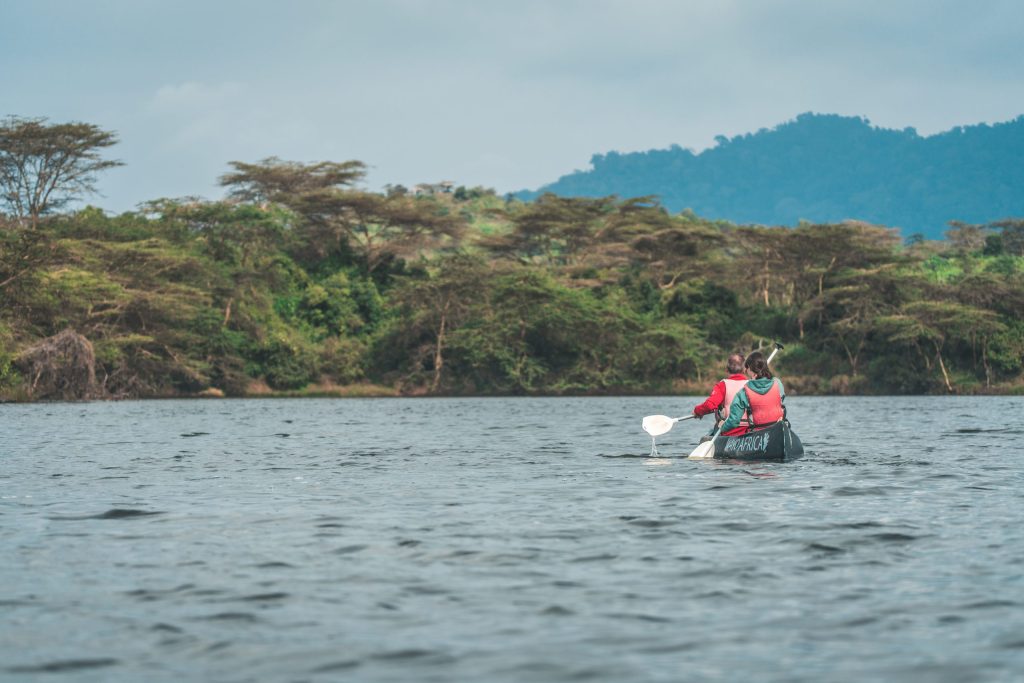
(735, 363)
(757, 364)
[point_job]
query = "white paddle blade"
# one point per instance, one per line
(704, 450)
(656, 425)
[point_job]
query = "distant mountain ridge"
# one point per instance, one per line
(826, 168)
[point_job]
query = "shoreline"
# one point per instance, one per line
(363, 391)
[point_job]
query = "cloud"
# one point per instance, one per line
(503, 94)
(193, 95)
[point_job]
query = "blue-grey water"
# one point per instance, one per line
(507, 540)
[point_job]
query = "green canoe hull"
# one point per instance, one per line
(777, 443)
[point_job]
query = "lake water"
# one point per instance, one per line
(507, 540)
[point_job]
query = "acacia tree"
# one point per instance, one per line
(1012, 234)
(553, 230)
(305, 188)
(760, 258)
(275, 180)
(336, 216)
(966, 238)
(22, 252)
(670, 248)
(936, 322)
(44, 167)
(849, 310)
(812, 255)
(1003, 296)
(433, 307)
(380, 228)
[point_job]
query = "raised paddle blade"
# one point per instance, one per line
(656, 425)
(704, 450)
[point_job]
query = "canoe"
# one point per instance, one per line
(777, 442)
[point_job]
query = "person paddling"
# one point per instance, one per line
(723, 394)
(760, 400)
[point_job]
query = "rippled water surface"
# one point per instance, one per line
(507, 540)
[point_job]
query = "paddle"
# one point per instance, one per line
(707, 449)
(656, 425)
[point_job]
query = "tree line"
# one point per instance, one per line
(300, 281)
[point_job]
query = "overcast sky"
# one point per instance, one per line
(505, 94)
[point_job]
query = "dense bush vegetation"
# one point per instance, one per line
(300, 282)
(565, 296)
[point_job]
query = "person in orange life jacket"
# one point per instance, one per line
(760, 400)
(724, 391)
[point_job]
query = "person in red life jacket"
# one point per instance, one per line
(724, 392)
(760, 400)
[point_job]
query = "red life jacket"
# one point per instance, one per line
(732, 387)
(765, 409)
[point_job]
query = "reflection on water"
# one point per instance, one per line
(507, 540)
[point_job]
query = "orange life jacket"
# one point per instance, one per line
(765, 409)
(732, 387)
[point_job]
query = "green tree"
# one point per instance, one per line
(376, 228)
(380, 229)
(1012, 234)
(669, 249)
(553, 230)
(312, 190)
(759, 261)
(23, 253)
(428, 310)
(934, 323)
(966, 238)
(44, 167)
(812, 254)
(851, 307)
(275, 180)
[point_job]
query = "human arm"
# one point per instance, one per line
(713, 402)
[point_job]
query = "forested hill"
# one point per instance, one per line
(826, 168)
